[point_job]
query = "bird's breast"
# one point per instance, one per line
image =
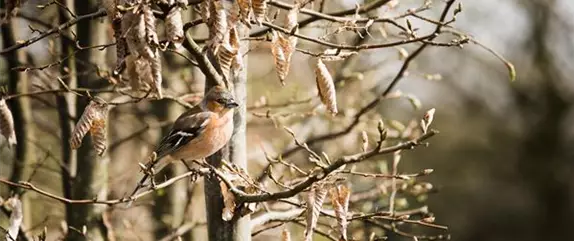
(212, 139)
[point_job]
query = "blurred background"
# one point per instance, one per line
(503, 161)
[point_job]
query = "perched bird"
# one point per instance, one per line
(197, 133)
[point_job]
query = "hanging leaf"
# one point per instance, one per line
(217, 23)
(233, 16)
(291, 17)
(93, 119)
(259, 9)
(98, 131)
(174, 26)
(237, 62)
(326, 87)
(228, 202)
(155, 64)
(7, 123)
(150, 33)
(133, 29)
(281, 62)
(244, 11)
(204, 10)
(314, 205)
(225, 56)
(340, 200)
(16, 218)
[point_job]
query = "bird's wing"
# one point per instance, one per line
(186, 128)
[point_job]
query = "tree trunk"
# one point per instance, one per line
(21, 111)
(238, 143)
(91, 175)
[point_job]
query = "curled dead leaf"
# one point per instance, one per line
(291, 17)
(228, 202)
(7, 123)
(314, 205)
(204, 10)
(340, 196)
(174, 26)
(244, 11)
(225, 56)
(279, 56)
(217, 23)
(326, 87)
(155, 65)
(93, 119)
(259, 9)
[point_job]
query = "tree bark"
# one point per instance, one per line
(91, 175)
(21, 111)
(238, 142)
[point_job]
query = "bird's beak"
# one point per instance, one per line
(231, 105)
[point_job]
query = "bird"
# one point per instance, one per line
(197, 133)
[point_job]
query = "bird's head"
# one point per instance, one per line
(219, 100)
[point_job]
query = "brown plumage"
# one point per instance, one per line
(198, 132)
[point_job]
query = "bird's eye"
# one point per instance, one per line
(220, 101)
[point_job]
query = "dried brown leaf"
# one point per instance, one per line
(99, 136)
(291, 17)
(217, 23)
(314, 205)
(151, 33)
(233, 15)
(7, 123)
(225, 56)
(140, 72)
(16, 218)
(174, 26)
(340, 200)
(326, 87)
(204, 10)
(259, 8)
(133, 31)
(155, 65)
(285, 235)
(96, 111)
(121, 44)
(132, 72)
(279, 56)
(237, 63)
(228, 202)
(244, 11)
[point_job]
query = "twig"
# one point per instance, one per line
(97, 14)
(32, 187)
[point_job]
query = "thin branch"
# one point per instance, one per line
(32, 187)
(99, 13)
